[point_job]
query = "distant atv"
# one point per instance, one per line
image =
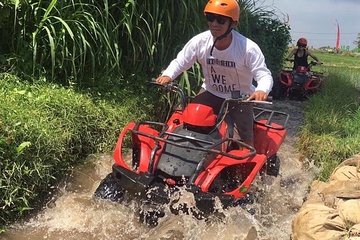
(299, 83)
(192, 151)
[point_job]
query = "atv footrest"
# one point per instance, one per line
(205, 201)
(142, 185)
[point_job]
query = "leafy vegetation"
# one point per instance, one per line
(272, 35)
(79, 42)
(331, 131)
(46, 129)
(75, 42)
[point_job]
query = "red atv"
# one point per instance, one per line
(300, 83)
(192, 151)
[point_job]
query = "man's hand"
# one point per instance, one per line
(258, 96)
(163, 80)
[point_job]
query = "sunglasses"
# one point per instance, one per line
(220, 19)
(302, 46)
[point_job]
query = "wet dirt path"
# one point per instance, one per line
(75, 214)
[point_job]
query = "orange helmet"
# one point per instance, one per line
(228, 8)
(302, 42)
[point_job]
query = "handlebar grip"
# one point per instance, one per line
(153, 82)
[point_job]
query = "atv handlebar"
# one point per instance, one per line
(235, 95)
(238, 98)
(312, 63)
(172, 87)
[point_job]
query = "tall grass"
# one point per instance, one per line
(64, 40)
(79, 42)
(331, 132)
(45, 130)
(76, 42)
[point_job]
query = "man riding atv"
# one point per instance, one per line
(229, 63)
(193, 150)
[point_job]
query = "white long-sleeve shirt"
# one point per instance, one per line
(226, 70)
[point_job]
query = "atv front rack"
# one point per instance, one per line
(271, 117)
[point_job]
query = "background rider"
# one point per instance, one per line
(300, 54)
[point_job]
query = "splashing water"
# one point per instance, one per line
(75, 214)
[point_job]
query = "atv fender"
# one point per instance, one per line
(286, 78)
(246, 170)
(140, 142)
(313, 83)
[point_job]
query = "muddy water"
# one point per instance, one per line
(75, 214)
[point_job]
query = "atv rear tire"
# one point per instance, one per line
(110, 189)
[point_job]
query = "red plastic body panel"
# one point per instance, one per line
(313, 83)
(146, 145)
(286, 78)
(253, 164)
(302, 69)
(199, 115)
(267, 142)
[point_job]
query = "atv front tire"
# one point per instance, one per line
(150, 217)
(273, 166)
(110, 189)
